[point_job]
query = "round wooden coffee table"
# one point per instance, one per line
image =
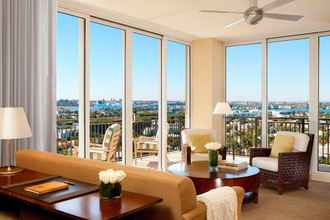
(205, 178)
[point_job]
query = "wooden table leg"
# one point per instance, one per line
(203, 185)
(255, 189)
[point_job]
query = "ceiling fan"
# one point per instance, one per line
(254, 14)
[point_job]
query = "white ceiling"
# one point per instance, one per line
(184, 16)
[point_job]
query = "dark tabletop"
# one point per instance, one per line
(200, 169)
(92, 207)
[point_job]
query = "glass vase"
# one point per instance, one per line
(108, 191)
(213, 158)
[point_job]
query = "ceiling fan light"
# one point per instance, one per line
(253, 15)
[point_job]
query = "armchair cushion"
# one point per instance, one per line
(146, 143)
(202, 157)
(198, 141)
(282, 144)
(301, 140)
(266, 163)
(187, 132)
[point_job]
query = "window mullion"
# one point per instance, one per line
(264, 94)
(314, 96)
(128, 103)
(163, 106)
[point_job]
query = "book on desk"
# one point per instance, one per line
(47, 187)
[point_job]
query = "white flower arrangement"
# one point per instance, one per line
(112, 176)
(213, 146)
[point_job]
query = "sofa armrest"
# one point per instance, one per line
(240, 197)
(198, 213)
(259, 152)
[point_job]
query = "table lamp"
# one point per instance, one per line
(13, 125)
(223, 108)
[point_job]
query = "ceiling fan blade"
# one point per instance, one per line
(221, 12)
(283, 16)
(275, 4)
(235, 23)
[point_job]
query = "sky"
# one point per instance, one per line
(288, 71)
(106, 63)
(243, 67)
(288, 66)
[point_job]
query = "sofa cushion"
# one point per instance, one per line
(301, 140)
(266, 163)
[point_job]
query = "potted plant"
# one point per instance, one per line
(110, 183)
(213, 151)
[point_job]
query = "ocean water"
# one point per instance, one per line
(117, 106)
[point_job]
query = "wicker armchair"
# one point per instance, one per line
(292, 168)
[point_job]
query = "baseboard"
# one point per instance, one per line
(321, 177)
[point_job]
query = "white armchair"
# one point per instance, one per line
(188, 151)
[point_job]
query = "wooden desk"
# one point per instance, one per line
(91, 207)
(88, 206)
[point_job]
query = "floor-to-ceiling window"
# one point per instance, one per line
(146, 88)
(104, 69)
(69, 61)
(288, 86)
(176, 71)
(243, 92)
(106, 56)
(289, 90)
(324, 105)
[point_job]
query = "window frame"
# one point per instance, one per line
(261, 80)
(313, 99)
(127, 137)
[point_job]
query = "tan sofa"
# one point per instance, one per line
(178, 193)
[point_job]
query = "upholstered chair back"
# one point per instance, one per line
(187, 133)
(301, 140)
(111, 140)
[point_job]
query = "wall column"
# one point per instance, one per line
(208, 84)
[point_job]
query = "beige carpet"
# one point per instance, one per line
(313, 204)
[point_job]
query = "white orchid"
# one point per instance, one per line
(112, 176)
(213, 146)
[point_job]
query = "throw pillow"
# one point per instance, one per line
(198, 141)
(282, 144)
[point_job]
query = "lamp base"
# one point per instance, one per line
(9, 170)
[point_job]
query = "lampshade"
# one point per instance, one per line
(14, 124)
(222, 108)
